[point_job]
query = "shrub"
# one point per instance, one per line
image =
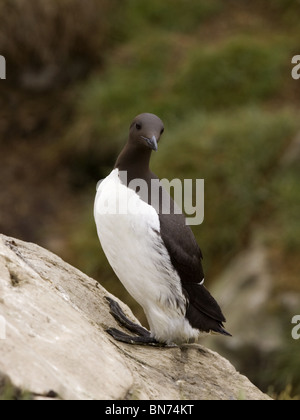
(49, 40)
(236, 72)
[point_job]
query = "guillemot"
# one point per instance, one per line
(153, 253)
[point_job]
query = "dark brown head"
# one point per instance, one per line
(145, 130)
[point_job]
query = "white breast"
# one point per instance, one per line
(128, 229)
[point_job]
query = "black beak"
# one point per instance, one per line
(152, 143)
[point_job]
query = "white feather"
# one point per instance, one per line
(128, 229)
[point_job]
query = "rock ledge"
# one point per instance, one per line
(53, 341)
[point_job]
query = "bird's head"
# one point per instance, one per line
(146, 130)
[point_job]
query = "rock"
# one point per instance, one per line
(244, 288)
(259, 315)
(55, 344)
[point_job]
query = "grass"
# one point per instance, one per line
(9, 392)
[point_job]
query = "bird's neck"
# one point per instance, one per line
(135, 161)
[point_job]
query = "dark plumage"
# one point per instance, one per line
(174, 247)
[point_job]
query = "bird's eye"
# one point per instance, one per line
(161, 131)
(138, 126)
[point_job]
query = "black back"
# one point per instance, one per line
(202, 311)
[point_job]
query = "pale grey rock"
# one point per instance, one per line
(55, 340)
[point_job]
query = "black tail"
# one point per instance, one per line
(221, 330)
(203, 311)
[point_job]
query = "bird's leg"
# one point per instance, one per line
(118, 314)
(143, 336)
(133, 339)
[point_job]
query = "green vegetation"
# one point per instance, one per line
(219, 75)
(236, 155)
(228, 116)
(237, 71)
(10, 392)
(177, 16)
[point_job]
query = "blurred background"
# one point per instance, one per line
(219, 75)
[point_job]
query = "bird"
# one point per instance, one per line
(153, 253)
